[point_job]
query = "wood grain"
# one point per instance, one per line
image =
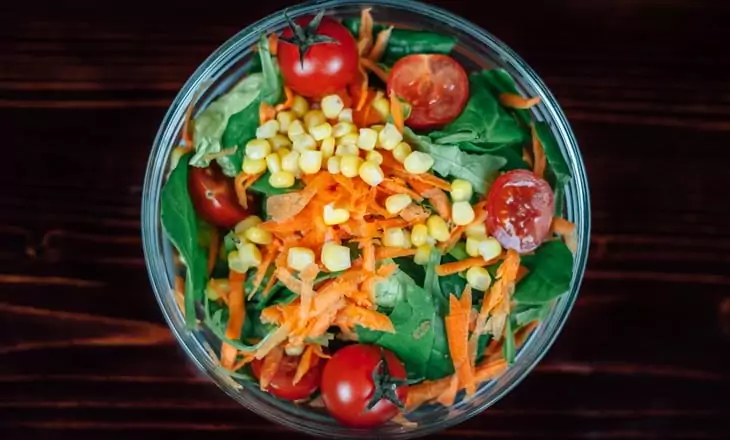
(84, 351)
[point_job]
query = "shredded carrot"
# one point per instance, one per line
(270, 366)
(449, 395)
(361, 298)
(480, 212)
(368, 254)
(382, 253)
(268, 287)
(489, 370)
(424, 182)
(286, 105)
(414, 214)
(180, 293)
(373, 67)
(381, 43)
(307, 277)
(457, 333)
(396, 110)
(522, 335)
(279, 336)
(393, 187)
(266, 113)
(507, 274)
(330, 294)
(215, 285)
(365, 34)
(426, 391)
(288, 280)
(387, 270)
(563, 227)
(526, 157)
(351, 315)
(363, 90)
(266, 260)
(539, 154)
(306, 362)
(436, 196)
(317, 349)
(237, 316)
(246, 359)
(213, 249)
(241, 184)
(516, 101)
(446, 269)
(273, 44)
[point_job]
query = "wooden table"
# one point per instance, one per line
(84, 352)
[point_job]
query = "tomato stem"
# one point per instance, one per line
(306, 37)
(386, 385)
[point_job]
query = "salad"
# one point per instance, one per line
(363, 225)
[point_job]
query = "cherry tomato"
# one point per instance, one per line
(435, 85)
(520, 207)
(214, 196)
(282, 385)
(348, 386)
(330, 62)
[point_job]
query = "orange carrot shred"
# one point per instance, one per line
(563, 227)
(373, 67)
(490, 370)
(270, 366)
(382, 253)
(524, 332)
(526, 157)
(289, 102)
(516, 101)
(426, 391)
(213, 249)
(396, 110)
(266, 113)
(368, 254)
(307, 277)
(273, 44)
(267, 259)
(268, 287)
(393, 187)
(367, 318)
(237, 316)
(280, 335)
(447, 397)
(381, 43)
(539, 153)
(247, 358)
(365, 33)
(446, 269)
(288, 280)
(306, 362)
(363, 92)
(457, 334)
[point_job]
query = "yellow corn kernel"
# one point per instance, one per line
(335, 257)
(285, 118)
(418, 162)
(296, 128)
(279, 141)
(367, 139)
(334, 216)
(282, 179)
(462, 213)
(250, 221)
(249, 255)
(490, 248)
(300, 106)
(389, 137)
(477, 231)
(407, 243)
(304, 142)
(273, 162)
(258, 235)
(348, 139)
(419, 234)
(437, 228)
(397, 202)
(423, 254)
(350, 165)
(321, 131)
(298, 258)
(461, 190)
(393, 237)
(258, 148)
(401, 152)
(268, 129)
(343, 128)
(333, 165)
(347, 150)
(234, 262)
(314, 118)
(478, 278)
(472, 246)
(253, 166)
(290, 162)
(283, 152)
(327, 147)
(345, 115)
(371, 173)
(310, 161)
(377, 127)
(332, 105)
(374, 156)
(382, 106)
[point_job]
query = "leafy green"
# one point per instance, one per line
(499, 81)
(512, 154)
(413, 270)
(484, 120)
(482, 344)
(453, 283)
(524, 314)
(551, 271)
(253, 327)
(262, 186)
(508, 347)
(439, 364)
(390, 292)
(459, 251)
(480, 170)
(273, 88)
(558, 171)
(181, 227)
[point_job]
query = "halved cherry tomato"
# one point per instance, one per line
(214, 196)
(520, 207)
(435, 85)
(282, 385)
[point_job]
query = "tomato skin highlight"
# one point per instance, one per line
(282, 385)
(214, 196)
(347, 385)
(327, 67)
(437, 87)
(520, 207)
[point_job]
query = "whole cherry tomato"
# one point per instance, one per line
(282, 384)
(214, 196)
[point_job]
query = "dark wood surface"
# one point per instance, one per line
(84, 352)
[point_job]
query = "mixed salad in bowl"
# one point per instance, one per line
(365, 226)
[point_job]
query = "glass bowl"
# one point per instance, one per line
(476, 49)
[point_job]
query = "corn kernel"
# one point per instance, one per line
(389, 137)
(397, 202)
(382, 106)
(300, 106)
(298, 258)
(253, 166)
(268, 129)
(273, 162)
(334, 216)
(285, 118)
(418, 162)
(294, 350)
(462, 213)
(343, 128)
(367, 139)
(490, 248)
(349, 139)
(314, 118)
(247, 223)
(321, 131)
(437, 228)
(393, 237)
(472, 246)
(296, 128)
(283, 151)
(423, 255)
(419, 234)
(290, 162)
(335, 257)
(333, 165)
(377, 127)
(371, 173)
(234, 262)
(332, 105)
(279, 141)
(401, 152)
(407, 243)
(258, 148)
(310, 161)
(374, 156)
(282, 179)
(476, 230)
(304, 142)
(327, 147)
(461, 190)
(249, 255)
(258, 235)
(478, 278)
(345, 115)
(350, 165)
(347, 150)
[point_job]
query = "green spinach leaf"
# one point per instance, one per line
(551, 271)
(390, 292)
(439, 364)
(508, 347)
(499, 81)
(451, 283)
(273, 88)
(413, 270)
(558, 171)
(524, 314)
(181, 227)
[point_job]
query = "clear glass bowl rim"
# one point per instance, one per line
(577, 207)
